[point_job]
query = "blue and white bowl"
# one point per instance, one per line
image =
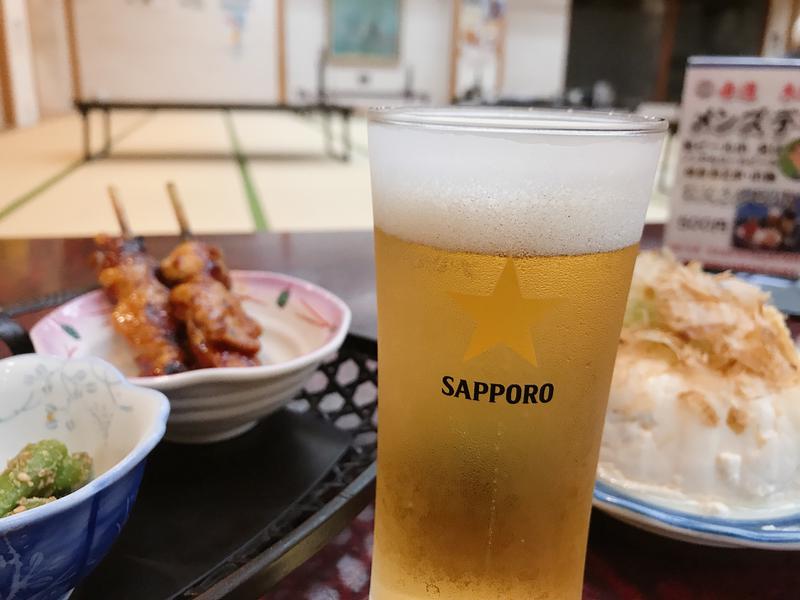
(770, 532)
(87, 404)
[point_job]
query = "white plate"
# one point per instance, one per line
(778, 533)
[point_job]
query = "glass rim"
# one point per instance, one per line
(514, 120)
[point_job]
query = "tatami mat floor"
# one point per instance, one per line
(32, 157)
(236, 172)
(171, 133)
(78, 206)
(278, 135)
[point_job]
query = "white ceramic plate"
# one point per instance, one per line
(302, 323)
(773, 533)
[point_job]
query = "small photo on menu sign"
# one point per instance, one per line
(736, 200)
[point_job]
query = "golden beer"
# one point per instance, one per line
(496, 353)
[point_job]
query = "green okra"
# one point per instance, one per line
(74, 472)
(32, 473)
(29, 503)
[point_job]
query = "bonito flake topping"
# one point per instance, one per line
(713, 320)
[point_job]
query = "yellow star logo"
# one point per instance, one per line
(504, 317)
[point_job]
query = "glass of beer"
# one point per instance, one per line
(505, 241)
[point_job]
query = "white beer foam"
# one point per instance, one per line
(514, 193)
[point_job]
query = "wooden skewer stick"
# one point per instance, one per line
(180, 214)
(119, 211)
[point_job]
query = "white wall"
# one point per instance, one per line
(169, 50)
(537, 39)
(18, 42)
(50, 56)
(182, 50)
(426, 38)
(425, 33)
(305, 26)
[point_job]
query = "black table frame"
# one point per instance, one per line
(85, 107)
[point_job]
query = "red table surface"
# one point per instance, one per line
(622, 562)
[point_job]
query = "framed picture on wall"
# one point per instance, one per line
(364, 31)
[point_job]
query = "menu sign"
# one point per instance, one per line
(736, 200)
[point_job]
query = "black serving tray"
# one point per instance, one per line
(198, 505)
(231, 519)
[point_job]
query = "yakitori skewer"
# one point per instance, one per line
(218, 331)
(141, 310)
(191, 258)
(180, 214)
(119, 212)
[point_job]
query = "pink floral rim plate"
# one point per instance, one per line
(303, 324)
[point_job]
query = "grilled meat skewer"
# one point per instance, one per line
(219, 332)
(191, 258)
(141, 302)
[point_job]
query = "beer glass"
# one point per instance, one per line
(505, 241)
